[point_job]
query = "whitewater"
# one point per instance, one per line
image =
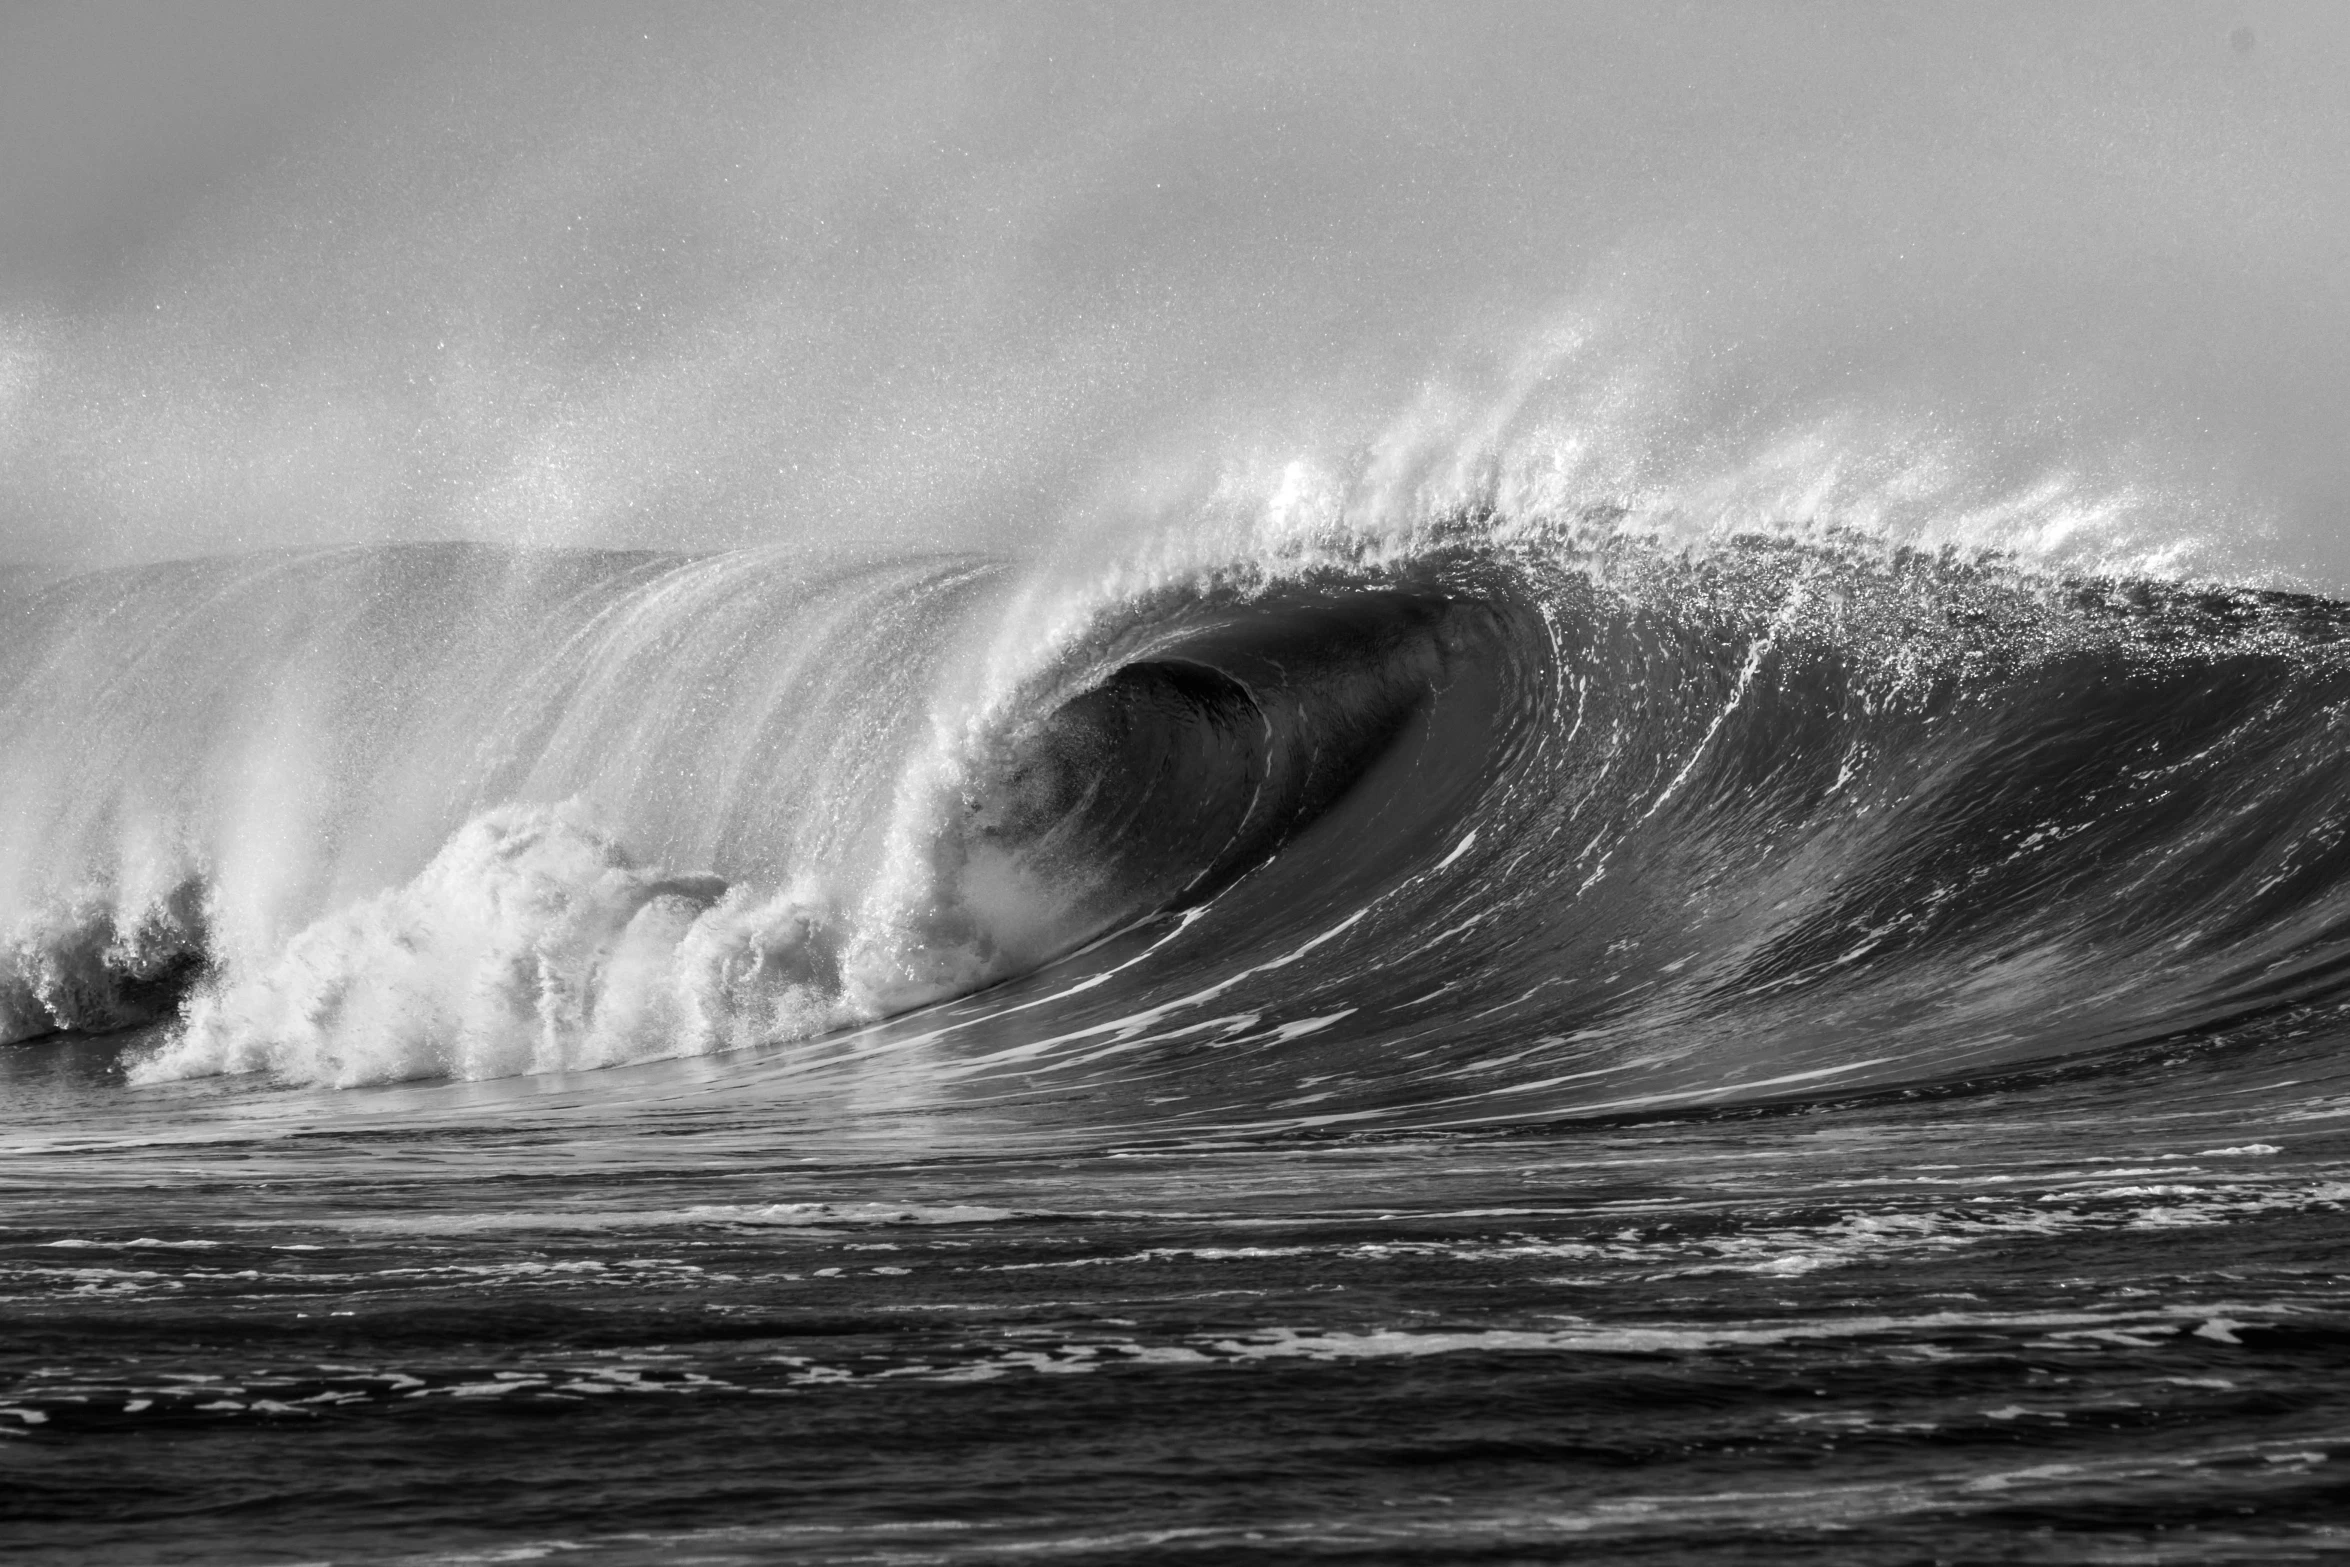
(923, 788)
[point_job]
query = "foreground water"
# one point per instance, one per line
(2095, 1315)
(2007, 1326)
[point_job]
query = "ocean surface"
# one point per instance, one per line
(1529, 1041)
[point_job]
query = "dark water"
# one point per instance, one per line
(1795, 1054)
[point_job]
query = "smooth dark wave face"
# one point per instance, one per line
(1180, 772)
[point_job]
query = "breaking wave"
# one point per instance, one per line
(1509, 823)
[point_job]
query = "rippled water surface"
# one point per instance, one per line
(2085, 1316)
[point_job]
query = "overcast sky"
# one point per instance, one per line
(712, 275)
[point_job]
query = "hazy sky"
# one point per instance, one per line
(707, 275)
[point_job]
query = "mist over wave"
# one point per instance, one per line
(734, 277)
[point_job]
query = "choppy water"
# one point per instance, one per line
(1525, 1043)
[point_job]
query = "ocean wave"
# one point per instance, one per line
(1650, 826)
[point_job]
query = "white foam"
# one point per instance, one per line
(813, 1215)
(531, 942)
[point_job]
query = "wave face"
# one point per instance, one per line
(1502, 827)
